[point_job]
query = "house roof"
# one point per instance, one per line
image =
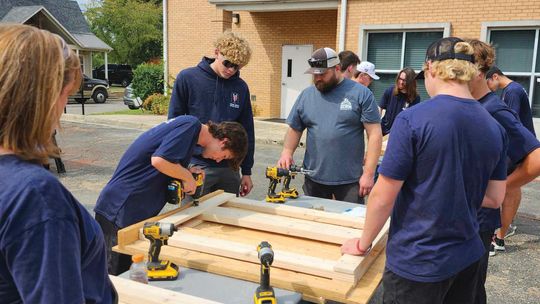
(67, 14)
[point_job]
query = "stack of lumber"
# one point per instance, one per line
(222, 233)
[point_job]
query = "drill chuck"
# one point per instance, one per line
(266, 254)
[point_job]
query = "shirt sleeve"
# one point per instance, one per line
(501, 169)
(513, 101)
(294, 120)
(399, 156)
(179, 98)
(385, 99)
(45, 263)
(370, 111)
(521, 141)
(246, 120)
(177, 146)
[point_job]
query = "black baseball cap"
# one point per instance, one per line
(321, 60)
(493, 70)
(443, 49)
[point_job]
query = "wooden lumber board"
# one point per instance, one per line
(281, 224)
(195, 211)
(282, 259)
(358, 265)
(254, 237)
(131, 292)
(311, 286)
(130, 234)
(297, 212)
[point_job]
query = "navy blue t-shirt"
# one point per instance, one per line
(515, 96)
(521, 142)
(446, 150)
(200, 92)
(393, 105)
(51, 249)
(137, 190)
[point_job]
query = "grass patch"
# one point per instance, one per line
(126, 112)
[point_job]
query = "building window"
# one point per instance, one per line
(393, 51)
(518, 57)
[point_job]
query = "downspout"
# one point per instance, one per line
(342, 25)
(165, 50)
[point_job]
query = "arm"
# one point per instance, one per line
(374, 135)
(513, 102)
(176, 171)
(379, 207)
(246, 120)
(527, 171)
(291, 141)
(179, 98)
(494, 194)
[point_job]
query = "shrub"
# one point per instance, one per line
(147, 80)
(157, 104)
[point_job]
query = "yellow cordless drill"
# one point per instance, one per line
(265, 293)
(275, 174)
(158, 234)
(175, 190)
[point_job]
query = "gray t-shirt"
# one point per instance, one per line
(335, 130)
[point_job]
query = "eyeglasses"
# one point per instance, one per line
(319, 63)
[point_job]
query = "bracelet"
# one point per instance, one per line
(361, 251)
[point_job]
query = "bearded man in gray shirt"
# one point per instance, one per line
(335, 111)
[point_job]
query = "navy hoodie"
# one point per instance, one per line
(200, 92)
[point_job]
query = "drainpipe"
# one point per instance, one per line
(342, 25)
(165, 50)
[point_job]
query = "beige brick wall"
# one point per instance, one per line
(193, 25)
(465, 17)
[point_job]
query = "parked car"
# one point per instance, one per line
(121, 74)
(96, 89)
(130, 100)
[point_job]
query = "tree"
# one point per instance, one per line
(133, 28)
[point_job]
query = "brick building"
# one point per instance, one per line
(390, 33)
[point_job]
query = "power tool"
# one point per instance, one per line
(275, 174)
(265, 293)
(158, 234)
(175, 190)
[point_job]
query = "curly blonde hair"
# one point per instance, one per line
(484, 54)
(456, 69)
(234, 48)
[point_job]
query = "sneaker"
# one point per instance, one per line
(498, 244)
(511, 230)
(492, 251)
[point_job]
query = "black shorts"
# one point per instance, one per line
(346, 192)
(459, 289)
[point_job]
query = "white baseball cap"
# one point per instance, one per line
(368, 68)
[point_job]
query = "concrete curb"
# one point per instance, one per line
(266, 132)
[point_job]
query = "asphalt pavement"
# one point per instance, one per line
(91, 151)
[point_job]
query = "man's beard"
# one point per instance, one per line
(328, 86)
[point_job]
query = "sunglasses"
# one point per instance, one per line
(319, 63)
(230, 65)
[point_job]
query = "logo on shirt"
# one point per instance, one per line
(235, 100)
(345, 105)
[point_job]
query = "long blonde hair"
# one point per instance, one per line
(35, 66)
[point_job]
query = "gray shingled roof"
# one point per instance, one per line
(67, 12)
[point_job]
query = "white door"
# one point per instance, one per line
(293, 80)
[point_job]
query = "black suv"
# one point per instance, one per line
(118, 74)
(93, 88)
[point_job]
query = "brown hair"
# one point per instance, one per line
(34, 69)
(234, 48)
(456, 69)
(484, 54)
(237, 141)
(410, 85)
(347, 58)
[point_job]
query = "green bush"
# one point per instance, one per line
(147, 80)
(157, 104)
